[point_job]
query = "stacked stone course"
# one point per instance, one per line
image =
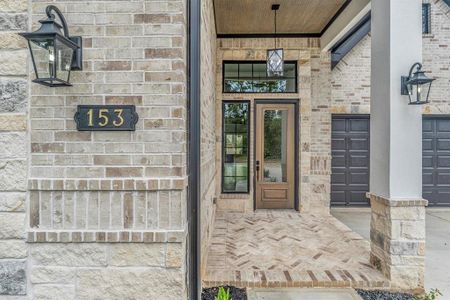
(13, 150)
(397, 234)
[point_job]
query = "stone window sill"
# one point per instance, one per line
(122, 236)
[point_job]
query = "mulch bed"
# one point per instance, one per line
(235, 293)
(382, 295)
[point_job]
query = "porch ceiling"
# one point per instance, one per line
(235, 17)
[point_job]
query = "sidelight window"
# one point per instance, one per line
(235, 151)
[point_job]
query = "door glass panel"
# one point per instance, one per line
(275, 145)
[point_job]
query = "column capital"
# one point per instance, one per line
(401, 202)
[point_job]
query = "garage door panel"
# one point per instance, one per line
(443, 144)
(359, 125)
(359, 161)
(443, 178)
(427, 144)
(338, 143)
(427, 127)
(359, 144)
(338, 197)
(350, 160)
(338, 161)
(443, 125)
(338, 178)
(444, 196)
(338, 126)
(427, 161)
(359, 178)
(443, 161)
(427, 178)
(436, 160)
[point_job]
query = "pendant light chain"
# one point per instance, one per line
(275, 29)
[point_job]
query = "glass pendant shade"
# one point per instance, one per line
(275, 62)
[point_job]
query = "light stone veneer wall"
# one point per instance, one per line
(208, 125)
(314, 94)
(13, 149)
(106, 210)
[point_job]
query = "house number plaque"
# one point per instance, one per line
(106, 117)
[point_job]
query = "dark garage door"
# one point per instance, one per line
(436, 160)
(350, 160)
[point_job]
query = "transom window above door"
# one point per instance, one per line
(251, 77)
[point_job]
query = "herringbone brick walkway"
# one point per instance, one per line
(284, 248)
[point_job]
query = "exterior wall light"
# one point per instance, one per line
(275, 63)
(54, 54)
(417, 85)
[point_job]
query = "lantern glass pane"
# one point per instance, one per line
(43, 52)
(275, 62)
(64, 56)
(418, 93)
(423, 92)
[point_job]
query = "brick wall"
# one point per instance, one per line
(350, 81)
(314, 119)
(13, 149)
(436, 58)
(208, 123)
(106, 209)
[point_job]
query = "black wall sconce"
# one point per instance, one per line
(417, 85)
(54, 53)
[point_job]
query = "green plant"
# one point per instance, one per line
(431, 295)
(222, 295)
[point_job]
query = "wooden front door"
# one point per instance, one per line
(274, 155)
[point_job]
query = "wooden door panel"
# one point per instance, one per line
(275, 155)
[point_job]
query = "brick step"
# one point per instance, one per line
(282, 279)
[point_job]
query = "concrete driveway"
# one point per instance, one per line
(437, 274)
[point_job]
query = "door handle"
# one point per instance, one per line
(257, 170)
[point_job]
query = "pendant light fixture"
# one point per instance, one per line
(275, 63)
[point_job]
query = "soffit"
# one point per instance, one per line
(256, 16)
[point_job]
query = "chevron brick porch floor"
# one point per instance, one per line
(288, 249)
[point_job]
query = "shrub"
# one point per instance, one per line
(431, 295)
(222, 295)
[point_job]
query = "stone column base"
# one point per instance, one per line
(397, 234)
